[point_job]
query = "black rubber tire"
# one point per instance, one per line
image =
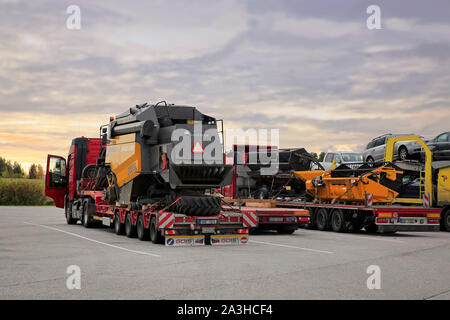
(446, 220)
(371, 228)
(86, 220)
(402, 153)
(143, 233)
(155, 235)
(286, 230)
(370, 161)
(119, 227)
(196, 205)
(338, 223)
(68, 212)
(322, 220)
(130, 230)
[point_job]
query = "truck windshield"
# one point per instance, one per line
(352, 157)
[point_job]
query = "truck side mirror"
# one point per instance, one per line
(104, 139)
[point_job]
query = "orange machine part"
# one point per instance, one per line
(321, 185)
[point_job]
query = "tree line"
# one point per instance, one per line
(10, 169)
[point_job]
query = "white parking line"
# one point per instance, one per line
(292, 247)
(340, 235)
(379, 239)
(96, 241)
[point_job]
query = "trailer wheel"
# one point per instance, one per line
(118, 226)
(68, 212)
(446, 221)
(142, 232)
(130, 230)
(155, 235)
(86, 220)
(322, 220)
(338, 220)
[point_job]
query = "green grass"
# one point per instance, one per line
(38, 181)
(23, 192)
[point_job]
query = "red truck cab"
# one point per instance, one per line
(62, 176)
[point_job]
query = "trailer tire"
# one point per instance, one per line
(119, 227)
(68, 212)
(142, 232)
(322, 221)
(338, 221)
(446, 221)
(130, 230)
(155, 235)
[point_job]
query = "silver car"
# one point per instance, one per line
(403, 150)
(351, 159)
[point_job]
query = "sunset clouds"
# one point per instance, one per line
(310, 68)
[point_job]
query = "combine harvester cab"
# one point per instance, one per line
(151, 177)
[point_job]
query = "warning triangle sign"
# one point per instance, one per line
(198, 148)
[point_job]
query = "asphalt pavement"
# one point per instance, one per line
(37, 247)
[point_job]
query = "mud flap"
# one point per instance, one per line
(184, 241)
(229, 239)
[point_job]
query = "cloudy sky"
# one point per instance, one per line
(309, 68)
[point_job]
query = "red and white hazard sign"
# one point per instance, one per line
(166, 220)
(369, 200)
(426, 200)
(250, 219)
(198, 148)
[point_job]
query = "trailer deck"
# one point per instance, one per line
(387, 218)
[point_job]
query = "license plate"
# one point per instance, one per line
(407, 220)
(208, 221)
(208, 230)
(224, 240)
(275, 219)
(180, 241)
(106, 221)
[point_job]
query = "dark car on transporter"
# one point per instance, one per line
(440, 146)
